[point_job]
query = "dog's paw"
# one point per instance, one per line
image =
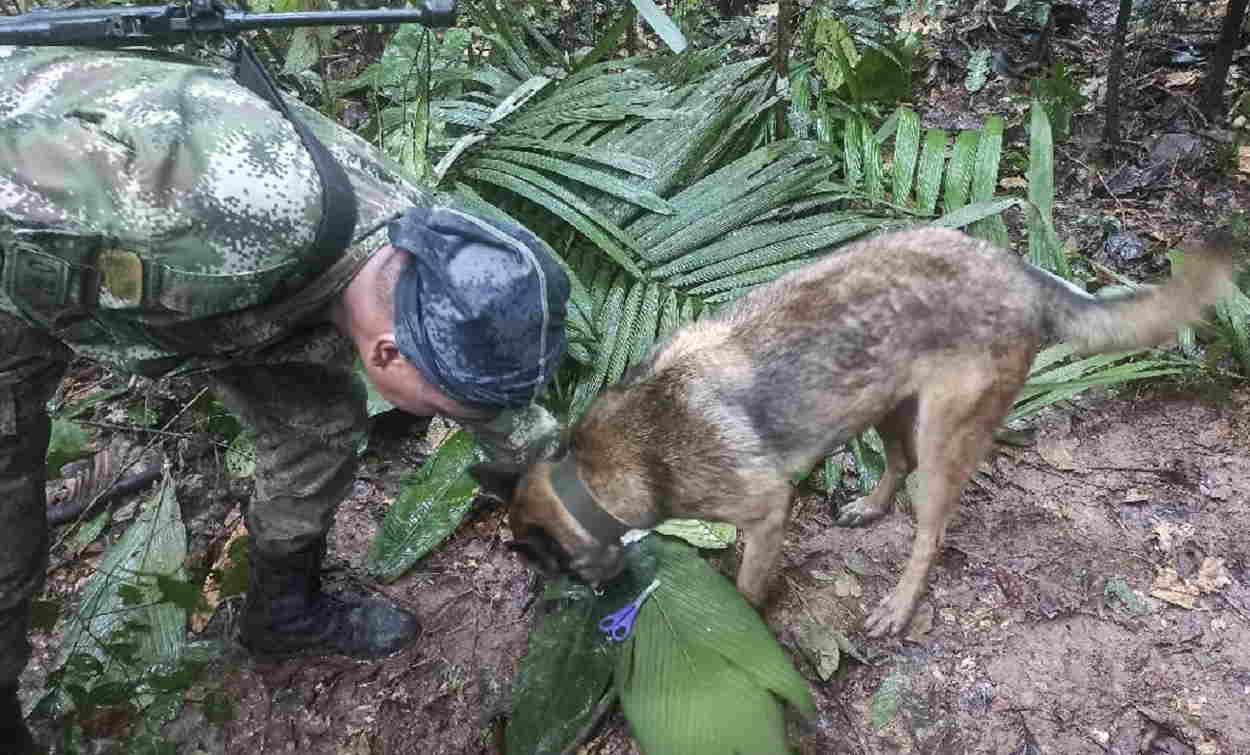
(891, 617)
(859, 513)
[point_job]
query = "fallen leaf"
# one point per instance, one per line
(1014, 182)
(1181, 78)
(1170, 533)
(1212, 575)
(847, 586)
(212, 590)
(822, 649)
(1168, 586)
(1243, 158)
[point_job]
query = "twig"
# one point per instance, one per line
(605, 704)
(127, 465)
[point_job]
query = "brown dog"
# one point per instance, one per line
(926, 335)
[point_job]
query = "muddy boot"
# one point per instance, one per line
(286, 613)
(14, 736)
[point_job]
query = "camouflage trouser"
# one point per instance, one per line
(31, 366)
(309, 420)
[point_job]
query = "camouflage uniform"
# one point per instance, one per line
(185, 179)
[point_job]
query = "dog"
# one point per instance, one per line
(925, 334)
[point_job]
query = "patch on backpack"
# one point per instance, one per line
(121, 279)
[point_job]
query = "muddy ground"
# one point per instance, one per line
(1093, 597)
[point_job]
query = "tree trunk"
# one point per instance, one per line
(1213, 87)
(781, 63)
(1115, 73)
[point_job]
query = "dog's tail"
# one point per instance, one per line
(1148, 315)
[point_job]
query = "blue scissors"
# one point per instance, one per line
(618, 625)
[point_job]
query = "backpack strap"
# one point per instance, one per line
(338, 200)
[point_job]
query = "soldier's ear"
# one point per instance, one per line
(498, 479)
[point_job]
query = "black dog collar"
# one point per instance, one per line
(581, 504)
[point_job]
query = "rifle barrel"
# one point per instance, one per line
(142, 24)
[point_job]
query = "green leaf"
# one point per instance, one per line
(985, 180)
(661, 23)
(594, 178)
(701, 672)
(68, 442)
(429, 508)
(183, 594)
(906, 147)
(89, 531)
(885, 702)
(700, 534)
(1041, 176)
(929, 175)
(241, 455)
(155, 543)
(959, 172)
(971, 213)
(303, 52)
(564, 674)
(978, 70)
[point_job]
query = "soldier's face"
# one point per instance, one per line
(401, 383)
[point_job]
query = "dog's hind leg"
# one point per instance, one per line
(898, 434)
(956, 419)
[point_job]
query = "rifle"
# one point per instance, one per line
(118, 25)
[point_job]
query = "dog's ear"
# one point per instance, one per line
(497, 479)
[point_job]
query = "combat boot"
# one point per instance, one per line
(286, 613)
(14, 736)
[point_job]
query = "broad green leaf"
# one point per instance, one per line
(702, 673)
(155, 543)
(564, 673)
(431, 505)
(303, 51)
(661, 23)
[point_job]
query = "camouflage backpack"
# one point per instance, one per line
(146, 186)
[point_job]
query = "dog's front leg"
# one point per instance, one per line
(764, 536)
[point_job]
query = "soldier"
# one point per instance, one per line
(160, 217)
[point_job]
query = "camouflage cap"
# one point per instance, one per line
(480, 306)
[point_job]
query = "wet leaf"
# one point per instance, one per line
(241, 455)
(565, 672)
(88, 532)
(701, 672)
(154, 544)
(67, 443)
(885, 702)
(822, 649)
(429, 508)
(700, 534)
